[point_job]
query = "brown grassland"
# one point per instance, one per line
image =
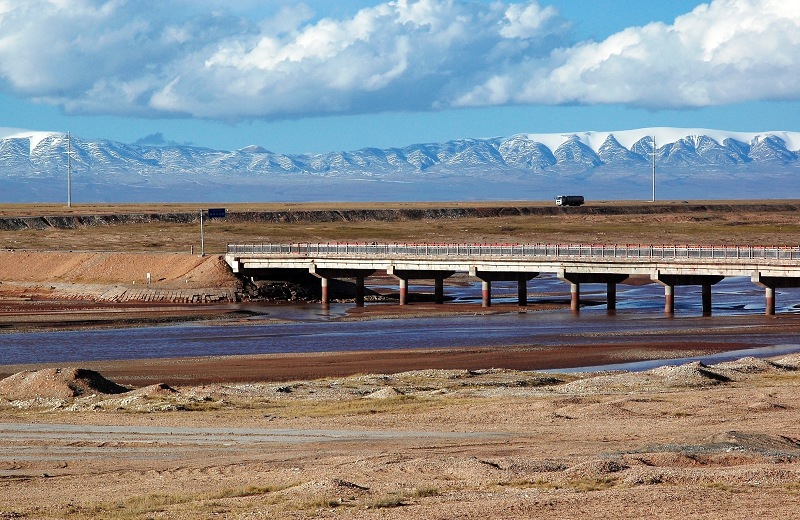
(728, 222)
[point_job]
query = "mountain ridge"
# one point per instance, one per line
(576, 159)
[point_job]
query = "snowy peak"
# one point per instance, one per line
(26, 153)
(664, 136)
(32, 137)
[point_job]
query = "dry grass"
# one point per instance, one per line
(145, 505)
(707, 227)
(104, 209)
(581, 485)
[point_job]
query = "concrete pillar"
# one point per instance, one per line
(522, 291)
(486, 293)
(359, 291)
(575, 297)
(669, 299)
(438, 293)
(770, 284)
(611, 296)
(575, 279)
(403, 291)
(324, 283)
(770, 298)
(504, 276)
(706, 299)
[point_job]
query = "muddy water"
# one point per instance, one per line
(738, 323)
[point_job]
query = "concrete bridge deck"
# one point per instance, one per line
(576, 264)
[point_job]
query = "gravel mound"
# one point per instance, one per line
(61, 383)
(158, 389)
(690, 375)
(384, 393)
(750, 365)
(754, 442)
(330, 492)
(693, 374)
(599, 467)
(790, 362)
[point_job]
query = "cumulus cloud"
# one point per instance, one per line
(724, 52)
(206, 59)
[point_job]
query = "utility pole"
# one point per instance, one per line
(202, 238)
(69, 171)
(654, 169)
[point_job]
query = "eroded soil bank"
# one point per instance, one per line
(107, 277)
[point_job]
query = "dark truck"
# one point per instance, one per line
(569, 200)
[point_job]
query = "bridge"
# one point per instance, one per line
(669, 265)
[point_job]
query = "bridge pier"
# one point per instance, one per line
(669, 281)
(669, 299)
(611, 296)
(403, 291)
(486, 277)
(575, 297)
(360, 291)
(770, 283)
(438, 291)
(769, 298)
(522, 292)
(576, 279)
(404, 275)
(706, 297)
(325, 296)
(325, 274)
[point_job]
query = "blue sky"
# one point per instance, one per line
(322, 75)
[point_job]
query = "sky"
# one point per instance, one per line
(322, 75)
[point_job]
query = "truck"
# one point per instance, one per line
(569, 200)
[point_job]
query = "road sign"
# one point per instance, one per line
(216, 213)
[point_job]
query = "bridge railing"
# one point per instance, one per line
(619, 251)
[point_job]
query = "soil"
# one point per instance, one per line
(67, 290)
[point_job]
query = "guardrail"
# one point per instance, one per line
(627, 251)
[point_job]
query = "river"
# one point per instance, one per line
(738, 319)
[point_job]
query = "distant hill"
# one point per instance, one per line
(690, 163)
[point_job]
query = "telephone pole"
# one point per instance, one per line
(69, 171)
(654, 169)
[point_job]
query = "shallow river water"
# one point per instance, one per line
(738, 308)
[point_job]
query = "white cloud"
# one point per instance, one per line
(525, 21)
(205, 59)
(724, 52)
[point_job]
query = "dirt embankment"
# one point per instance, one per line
(16, 223)
(115, 277)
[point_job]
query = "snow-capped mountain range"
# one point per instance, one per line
(610, 164)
